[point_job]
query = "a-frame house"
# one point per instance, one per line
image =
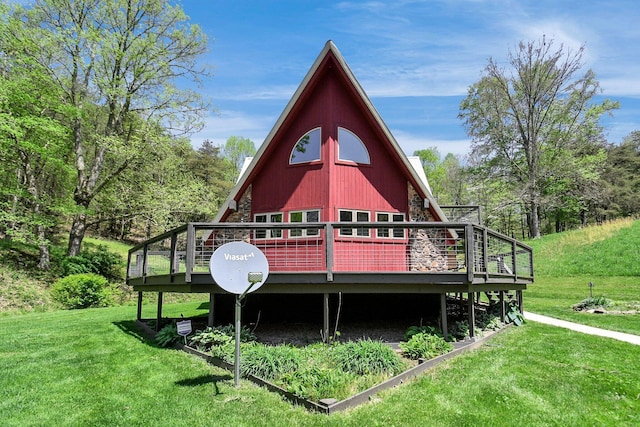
(337, 207)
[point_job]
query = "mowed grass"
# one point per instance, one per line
(608, 256)
(92, 368)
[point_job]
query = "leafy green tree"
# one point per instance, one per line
(433, 169)
(236, 149)
(622, 178)
(117, 63)
(526, 121)
(35, 178)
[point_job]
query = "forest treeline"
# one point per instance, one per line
(94, 132)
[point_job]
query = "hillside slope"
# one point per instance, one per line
(607, 256)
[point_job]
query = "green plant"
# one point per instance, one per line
(592, 303)
(246, 334)
(167, 336)
(99, 261)
(513, 314)
(269, 362)
(208, 338)
(366, 357)
(81, 291)
(316, 382)
(413, 330)
(459, 330)
(425, 346)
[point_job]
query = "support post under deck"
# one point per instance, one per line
(443, 314)
(139, 315)
(472, 314)
(159, 314)
(211, 318)
(325, 318)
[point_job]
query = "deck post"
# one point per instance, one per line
(502, 307)
(159, 314)
(211, 318)
(443, 314)
(325, 319)
(472, 315)
(329, 252)
(191, 252)
(139, 315)
(520, 301)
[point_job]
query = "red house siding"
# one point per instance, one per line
(330, 184)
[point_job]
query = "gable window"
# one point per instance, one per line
(354, 216)
(394, 233)
(304, 216)
(268, 233)
(351, 148)
(307, 149)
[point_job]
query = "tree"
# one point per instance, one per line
(622, 178)
(525, 122)
(117, 63)
(433, 169)
(35, 176)
(236, 149)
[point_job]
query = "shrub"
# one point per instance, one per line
(367, 357)
(81, 291)
(210, 337)
(592, 302)
(425, 346)
(167, 336)
(269, 362)
(413, 330)
(99, 261)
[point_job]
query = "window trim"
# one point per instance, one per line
(392, 233)
(304, 232)
(354, 232)
(318, 159)
(268, 233)
(359, 140)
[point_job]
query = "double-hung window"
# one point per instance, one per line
(273, 233)
(354, 216)
(304, 216)
(385, 232)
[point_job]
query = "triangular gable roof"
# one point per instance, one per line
(420, 185)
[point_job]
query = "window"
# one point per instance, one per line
(396, 233)
(266, 233)
(351, 148)
(304, 216)
(307, 149)
(354, 216)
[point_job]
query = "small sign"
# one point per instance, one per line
(184, 327)
(239, 267)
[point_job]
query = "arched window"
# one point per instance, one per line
(307, 149)
(351, 148)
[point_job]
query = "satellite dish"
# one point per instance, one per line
(239, 267)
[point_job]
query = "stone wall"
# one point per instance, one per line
(427, 246)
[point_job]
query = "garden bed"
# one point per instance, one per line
(301, 337)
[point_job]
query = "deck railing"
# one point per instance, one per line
(331, 248)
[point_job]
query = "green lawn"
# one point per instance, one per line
(607, 256)
(92, 368)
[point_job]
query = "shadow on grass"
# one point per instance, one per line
(205, 379)
(134, 329)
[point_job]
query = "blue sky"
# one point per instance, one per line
(415, 59)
